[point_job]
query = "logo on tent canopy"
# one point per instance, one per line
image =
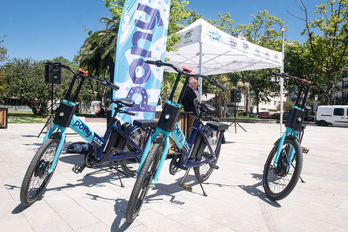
(214, 35)
(245, 46)
(188, 34)
(233, 43)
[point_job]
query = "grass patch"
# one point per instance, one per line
(25, 117)
(29, 117)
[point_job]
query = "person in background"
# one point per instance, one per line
(190, 98)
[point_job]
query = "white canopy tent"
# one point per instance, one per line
(208, 50)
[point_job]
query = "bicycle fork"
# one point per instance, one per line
(60, 145)
(163, 156)
(280, 146)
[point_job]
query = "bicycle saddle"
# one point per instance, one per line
(206, 108)
(123, 102)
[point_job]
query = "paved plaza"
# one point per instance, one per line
(236, 200)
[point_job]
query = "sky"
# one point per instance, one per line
(41, 29)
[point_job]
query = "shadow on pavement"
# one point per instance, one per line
(254, 191)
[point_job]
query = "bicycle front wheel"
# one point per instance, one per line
(37, 177)
(143, 182)
(278, 182)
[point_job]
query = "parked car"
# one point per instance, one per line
(275, 116)
(265, 115)
(336, 115)
(253, 115)
(309, 116)
(285, 116)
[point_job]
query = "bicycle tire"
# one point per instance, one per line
(130, 166)
(36, 178)
(89, 159)
(143, 182)
(278, 183)
(204, 175)
(204, 171)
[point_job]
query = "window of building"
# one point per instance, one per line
(345, 84)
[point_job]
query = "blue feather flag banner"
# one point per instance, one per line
(142, 36)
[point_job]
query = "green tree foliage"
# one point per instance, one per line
(264, 31)
(3, 51)
(3, 57)
(25, 80)
(224, 23)
(98, 52)
(179, 15)
(327, 42)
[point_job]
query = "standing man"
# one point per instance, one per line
(191, 96)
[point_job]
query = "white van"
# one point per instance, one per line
(332, 115)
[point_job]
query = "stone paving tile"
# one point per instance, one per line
(94, 200)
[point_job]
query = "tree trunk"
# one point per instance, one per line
(225, 108)
(328, 89)
(247, 103)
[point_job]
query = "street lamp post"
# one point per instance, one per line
(283, 30)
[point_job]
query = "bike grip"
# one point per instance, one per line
(220, 86)
(115, 87)
(150, 61)
(85, 73)
(277, 74)
(130, 113)
(214, 82)
(186, 69)
(158, 63)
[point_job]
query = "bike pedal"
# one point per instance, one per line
(186, 187)
(78, 169)
(214, 166)
(305, 150)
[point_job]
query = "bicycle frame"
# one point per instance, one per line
(84, 131)
(95, 140)
(180, 140)
(289, 129)
(176, 133)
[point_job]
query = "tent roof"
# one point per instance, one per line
(221, 52)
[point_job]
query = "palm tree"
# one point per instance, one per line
(98, 51)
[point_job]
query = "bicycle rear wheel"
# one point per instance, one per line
(131, 165)
(204, 171)
(143, 182)
(36, 178)
(279, 182)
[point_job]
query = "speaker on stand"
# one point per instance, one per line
(236, 97)
(53, 76)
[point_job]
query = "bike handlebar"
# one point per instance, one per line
(159, 63)
(84, 74)
(292, 77)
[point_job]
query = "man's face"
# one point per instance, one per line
(194, 84)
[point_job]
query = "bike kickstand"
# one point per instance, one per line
(184, 177)
(200, 183)
(185, 186)
(302, 180)
(118, 174)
